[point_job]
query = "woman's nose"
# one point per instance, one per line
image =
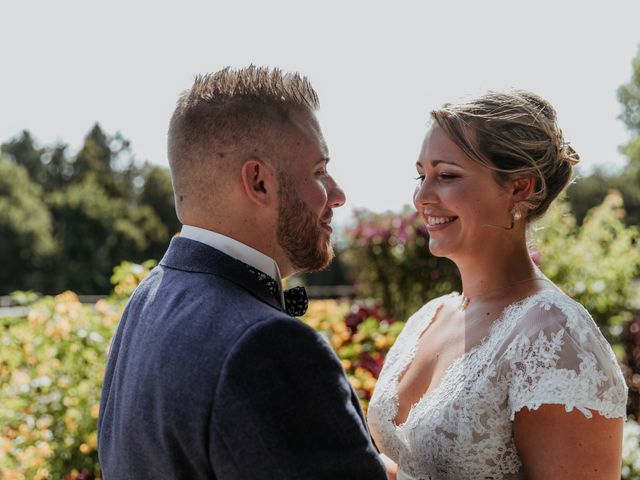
(424, 194)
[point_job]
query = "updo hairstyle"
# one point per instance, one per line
(515, 134)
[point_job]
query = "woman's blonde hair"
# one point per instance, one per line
(515, 134)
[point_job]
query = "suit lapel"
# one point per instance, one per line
(192, 256)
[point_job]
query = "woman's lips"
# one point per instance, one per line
(435, 222)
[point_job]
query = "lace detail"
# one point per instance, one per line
(545, 349)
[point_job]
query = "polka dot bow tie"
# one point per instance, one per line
(295, 299)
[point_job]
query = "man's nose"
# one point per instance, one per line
(337, 197)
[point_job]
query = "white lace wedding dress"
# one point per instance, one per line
(544, 349)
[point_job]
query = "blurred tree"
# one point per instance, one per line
(337, 273)
(59, 170)
(590, 191)
(157, 192)
(25, 152)
(629, 96)
(26, 240)
(390, 260)
(587, 192)
(100, 161)
(101, 207)
(47, 166)
(96, 232)
(628, 182)
(595, 263)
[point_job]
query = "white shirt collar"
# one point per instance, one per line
(235, 249)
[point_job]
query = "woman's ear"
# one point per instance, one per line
(522, 189)
(258, 181)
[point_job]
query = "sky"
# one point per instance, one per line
(379, 67)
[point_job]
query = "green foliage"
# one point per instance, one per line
(66, 222)
(158, 193)
(46, 166)
(631, 451)
(26, 228)
(128, 275)
(361, 336)
(629, 97)
(52, 361)
(596, 263)
(24, 298)
(51, 368)
(589, 191)
(95, 232)
(22, 211)
(25, 149)
(390, 258)
(630, 340)
(628, 182)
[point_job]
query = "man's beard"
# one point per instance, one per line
(299, 230)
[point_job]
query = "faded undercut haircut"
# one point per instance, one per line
(231, 114)
(515, 134)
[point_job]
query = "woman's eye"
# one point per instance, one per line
(448, 176)
(442, 176)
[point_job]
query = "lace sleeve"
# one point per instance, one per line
(557, 355)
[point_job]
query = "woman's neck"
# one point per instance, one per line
(496, 269)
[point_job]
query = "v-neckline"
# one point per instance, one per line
(414, 350)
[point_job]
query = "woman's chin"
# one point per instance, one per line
(438, 250)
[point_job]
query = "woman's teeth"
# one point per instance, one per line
(439, 220)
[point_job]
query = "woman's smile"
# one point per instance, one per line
(435, 223)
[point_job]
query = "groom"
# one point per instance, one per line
(209, 375)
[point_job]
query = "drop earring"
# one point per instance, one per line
(516, 214)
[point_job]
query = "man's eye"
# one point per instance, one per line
(420, 178)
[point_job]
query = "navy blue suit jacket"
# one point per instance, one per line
(207, 378)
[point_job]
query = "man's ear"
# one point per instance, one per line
(258, 181)
(522, 189)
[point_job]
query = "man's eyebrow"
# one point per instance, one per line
(324, 160)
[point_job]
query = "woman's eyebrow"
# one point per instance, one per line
(436, 162)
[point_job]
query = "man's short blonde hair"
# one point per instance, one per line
(230, 115)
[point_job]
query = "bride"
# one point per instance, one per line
(511, 379)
